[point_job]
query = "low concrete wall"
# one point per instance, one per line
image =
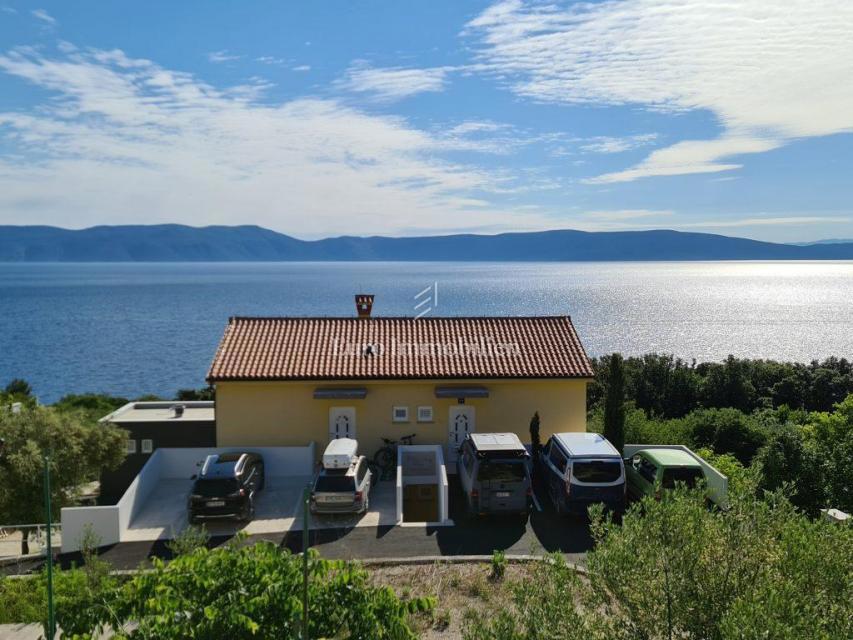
(109, 523)
(718, 484)
(439, 477)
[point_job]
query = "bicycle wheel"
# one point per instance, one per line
(384, 459)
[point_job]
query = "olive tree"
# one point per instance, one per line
(78, 451)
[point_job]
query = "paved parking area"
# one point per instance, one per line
(374, 535)
(278, 510)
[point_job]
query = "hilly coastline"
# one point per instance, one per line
(180, 243)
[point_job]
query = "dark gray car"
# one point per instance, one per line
(494, 472)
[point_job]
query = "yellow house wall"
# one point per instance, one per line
(286, 414)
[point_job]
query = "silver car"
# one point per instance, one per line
(343, 490)
(494, 473)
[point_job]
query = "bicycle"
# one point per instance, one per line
(385, 460)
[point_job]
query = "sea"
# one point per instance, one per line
(131, 329)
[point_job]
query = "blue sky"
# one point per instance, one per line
(402, 118)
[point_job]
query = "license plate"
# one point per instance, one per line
(502, 494)
(336, 499)
(216, 503)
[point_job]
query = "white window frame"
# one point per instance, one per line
(425, 414)
(147, 445)
(402, 418)
(131, 446)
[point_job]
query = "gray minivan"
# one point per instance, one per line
(494, 471)
(581, 469)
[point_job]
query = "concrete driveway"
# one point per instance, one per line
(278, 509)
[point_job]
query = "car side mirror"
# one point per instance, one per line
(635, 461)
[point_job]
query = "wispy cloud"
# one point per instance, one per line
(610, 144)
(393, 83)
(302, 67)
(769, 72)
(270, 60)
(221, 56)
(44, 16)
(119, 140)
(10, 10)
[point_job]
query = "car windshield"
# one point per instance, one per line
(334, 484)
(596, 471)
(215, 487)
(501, 471)
(688, 476)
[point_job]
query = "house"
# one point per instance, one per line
(287, 381)
(152, 425)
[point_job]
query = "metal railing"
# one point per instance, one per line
(12, 534)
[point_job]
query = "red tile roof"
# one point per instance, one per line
(404, 348)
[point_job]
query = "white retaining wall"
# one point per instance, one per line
(717, 483)
(109, 523)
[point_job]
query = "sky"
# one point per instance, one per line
(335, 118)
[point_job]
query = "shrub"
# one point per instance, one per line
(726, 431)
(498, 565)
(255, 591)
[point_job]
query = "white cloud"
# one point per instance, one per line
(770, 72)
(221, 56)
(761, 222)
(44, 16)
(395, 83)
(626, 214)
(123, 140)
(302, 67)
(609, 144)
(270, 60)
(10, 10)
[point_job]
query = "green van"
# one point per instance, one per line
(650, 470)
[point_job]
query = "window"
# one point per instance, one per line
(338, 483)
(502, 471)
(424, 414)
(688, 476)
(147, 446)
(131, 446)
(557, 458)
(401, 414)
(596, 471)
(648, 471)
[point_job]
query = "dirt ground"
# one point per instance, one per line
(458, 589)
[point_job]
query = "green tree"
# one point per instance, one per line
(614, 403)
(240, 592)
(726, 431)
(831, 436)
(78, 452)
(535, 441)
(786, 459)
(19, 387)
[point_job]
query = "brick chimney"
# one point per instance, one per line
(363, 304)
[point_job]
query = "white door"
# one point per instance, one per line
(460, 423)
(341, 422)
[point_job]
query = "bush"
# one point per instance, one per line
(786, 461)
(498, 565)
(726, 431)
(676, 569)
(238, 592)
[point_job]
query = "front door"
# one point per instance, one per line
(341, 422)
(460, 424)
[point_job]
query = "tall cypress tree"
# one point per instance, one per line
(614, 402)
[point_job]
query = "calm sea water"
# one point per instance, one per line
(129, 329)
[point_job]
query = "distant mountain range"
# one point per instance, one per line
(178, 243)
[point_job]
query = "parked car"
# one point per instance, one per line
(581, 469)
(651, 470)
(494, 471)
(343, 484)
(227, 487)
